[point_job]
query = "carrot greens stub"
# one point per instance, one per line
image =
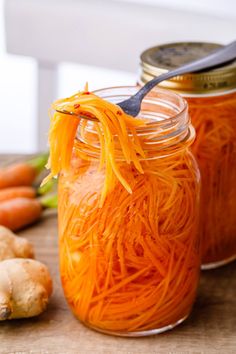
(128, 192)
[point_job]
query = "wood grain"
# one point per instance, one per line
(210, 329)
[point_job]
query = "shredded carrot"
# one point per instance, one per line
(129, 254)
(214, 119)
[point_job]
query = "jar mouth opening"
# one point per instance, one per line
(165, 114)
(167, 106)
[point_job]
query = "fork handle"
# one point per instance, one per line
(220, 56)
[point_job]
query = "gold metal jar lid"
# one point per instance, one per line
(157, 60)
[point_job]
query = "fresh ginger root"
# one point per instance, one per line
(12, 246)
(25, 288)
(25, 284)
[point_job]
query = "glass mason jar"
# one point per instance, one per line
(131, 266)
(211, 96)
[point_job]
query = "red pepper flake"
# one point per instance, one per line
(86, 93)
(119, 113)
(87, 114)
(77, 105)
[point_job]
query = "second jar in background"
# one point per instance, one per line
(211, 97)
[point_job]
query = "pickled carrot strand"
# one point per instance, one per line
(120, 285)
(146, 316)
(153, 260)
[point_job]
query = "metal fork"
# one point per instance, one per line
(132, 105)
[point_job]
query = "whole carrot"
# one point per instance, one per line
(20, 212)
(17, 192)
(22, 173)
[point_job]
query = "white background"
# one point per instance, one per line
(18, 77)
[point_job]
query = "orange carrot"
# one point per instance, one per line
(17, 192)
(22, 173)
(20, 212)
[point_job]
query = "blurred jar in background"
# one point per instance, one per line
(211, 96)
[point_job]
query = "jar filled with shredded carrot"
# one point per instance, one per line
(211, 97)
(128, 210)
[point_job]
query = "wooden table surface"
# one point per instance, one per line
(211, 328)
